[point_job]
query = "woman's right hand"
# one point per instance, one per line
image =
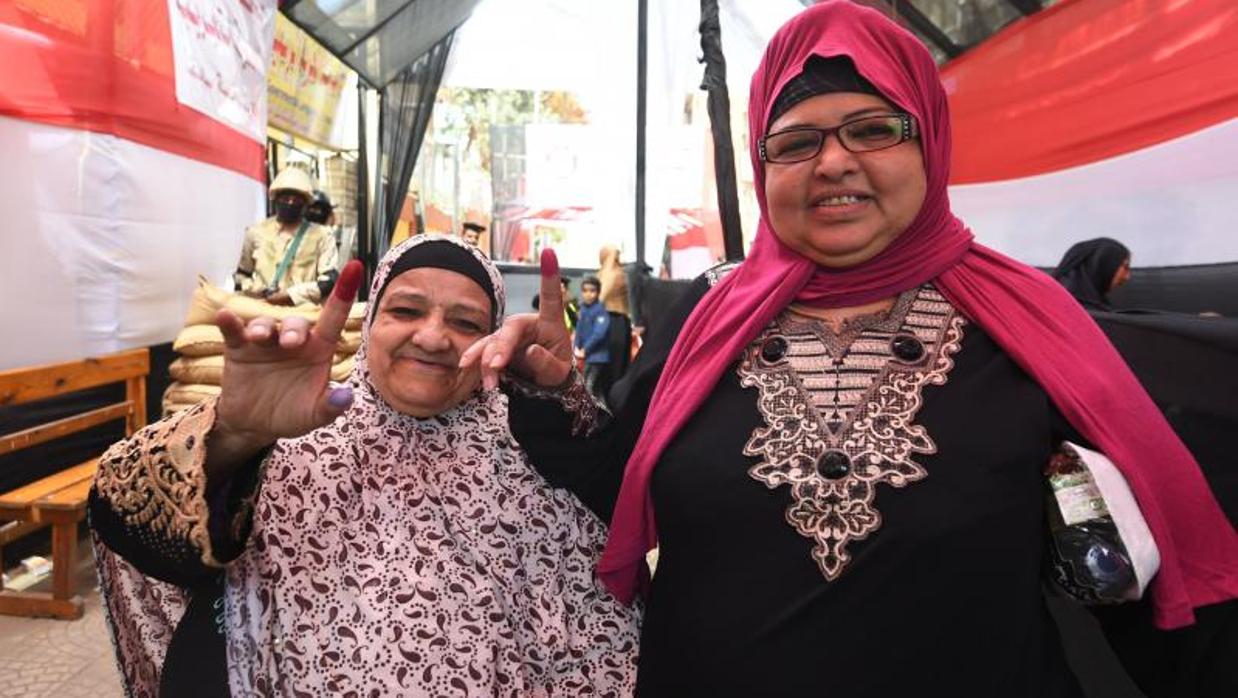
(275, 380)
(535, 346)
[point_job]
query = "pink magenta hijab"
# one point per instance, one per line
(1028, 314)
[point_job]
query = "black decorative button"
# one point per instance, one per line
(907, 348)
(833, 465)
(774, 349)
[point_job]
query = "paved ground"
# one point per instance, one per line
(58, 658)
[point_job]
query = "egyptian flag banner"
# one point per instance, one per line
(133, 134)
(1102, 118)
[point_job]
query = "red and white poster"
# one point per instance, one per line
(221, 52)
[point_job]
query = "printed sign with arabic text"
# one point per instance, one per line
(220, 50)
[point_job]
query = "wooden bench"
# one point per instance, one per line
(59, 500)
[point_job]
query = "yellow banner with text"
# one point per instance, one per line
(304, 84)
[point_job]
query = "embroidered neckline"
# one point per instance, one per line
(833, 468)
(888, 320)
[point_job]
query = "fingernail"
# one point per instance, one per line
(349, 280)
(340, 397)
(289, 336)
(496, 362)
(550, 263)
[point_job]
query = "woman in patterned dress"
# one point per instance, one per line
(382, 537)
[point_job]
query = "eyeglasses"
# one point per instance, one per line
(861, 135)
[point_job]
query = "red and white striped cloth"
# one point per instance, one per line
(1102, 118)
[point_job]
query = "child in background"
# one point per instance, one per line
(592, 331)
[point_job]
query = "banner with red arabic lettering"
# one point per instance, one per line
(221, 51)
(119, 187)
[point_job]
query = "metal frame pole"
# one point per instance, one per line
(363, 195)
(642, 69)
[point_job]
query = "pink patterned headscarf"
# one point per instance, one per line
(1028, 314)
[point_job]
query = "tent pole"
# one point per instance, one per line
(642, 61)
(719, 105)
(363, 194)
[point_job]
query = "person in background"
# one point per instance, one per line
(288, 259)
(381, 537)
(614, 296)
(321, 210)
(571, 309)
(592, 339)
(471, 233)
(1092, 269)
(838, 446)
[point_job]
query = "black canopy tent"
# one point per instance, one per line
(398, 48)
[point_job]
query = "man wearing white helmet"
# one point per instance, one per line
(286, 259)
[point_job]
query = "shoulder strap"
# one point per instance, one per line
(289, 255)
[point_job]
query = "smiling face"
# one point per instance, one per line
(840, 208)
(426, 319)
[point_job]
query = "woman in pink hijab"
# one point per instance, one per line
(838, 445)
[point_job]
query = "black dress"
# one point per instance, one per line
(918, 571)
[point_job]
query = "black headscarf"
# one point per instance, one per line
(821, 76)
(452, 255)
(1087, 269)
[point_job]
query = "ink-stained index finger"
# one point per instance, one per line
(550, 304)
(335, 311)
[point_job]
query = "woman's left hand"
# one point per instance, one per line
(537, 346)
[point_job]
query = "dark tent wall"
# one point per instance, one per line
(1187, 289)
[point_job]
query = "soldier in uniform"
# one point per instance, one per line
(287, 259)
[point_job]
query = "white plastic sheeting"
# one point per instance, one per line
(588, 47)
(103, 240)
(679, 160)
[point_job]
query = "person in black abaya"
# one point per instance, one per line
(1092, 269)
(1183, 361)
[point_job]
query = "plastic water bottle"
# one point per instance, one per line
(1088, 560)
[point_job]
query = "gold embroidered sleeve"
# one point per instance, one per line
(154, 486)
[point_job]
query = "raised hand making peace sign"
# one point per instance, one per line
(535, 346)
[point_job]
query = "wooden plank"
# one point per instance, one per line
(62, 427)
(40, 605)
(55, 516)
(135, 392)
(21, 385)
(13, 530)
(72, 497)
(64, 553)
(17, 503)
